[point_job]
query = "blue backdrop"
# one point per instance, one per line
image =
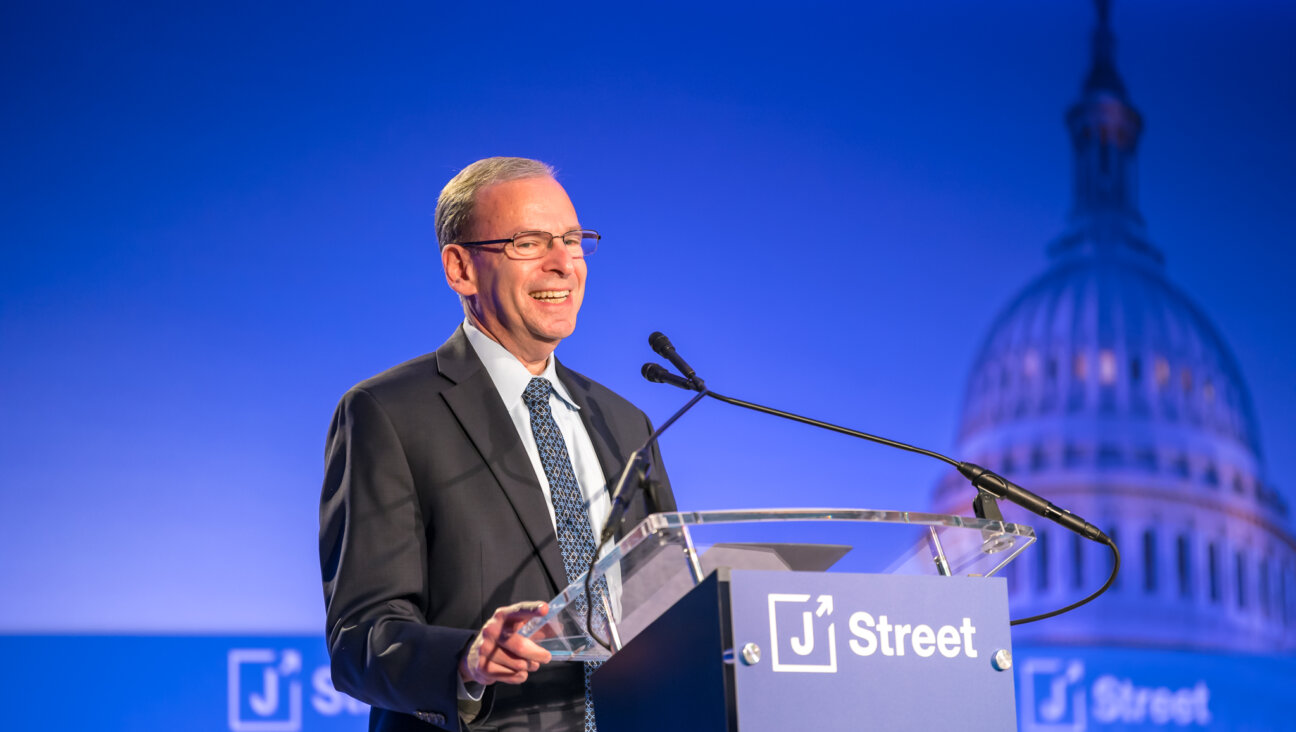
(217, 217)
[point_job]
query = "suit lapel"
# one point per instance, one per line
(476, 404)
(596, 424)
(610, 440)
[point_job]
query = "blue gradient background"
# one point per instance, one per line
(218, 217)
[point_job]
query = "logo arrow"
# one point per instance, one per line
(825, 606)
(291, 663)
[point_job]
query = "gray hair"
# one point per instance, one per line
(455, 205)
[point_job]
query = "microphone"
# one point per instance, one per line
(658, 374)
(661, 345)
(1001, 487)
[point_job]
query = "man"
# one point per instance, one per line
(464, 487)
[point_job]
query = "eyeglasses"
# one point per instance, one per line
(535, 244)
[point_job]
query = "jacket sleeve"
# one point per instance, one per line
(373, 560)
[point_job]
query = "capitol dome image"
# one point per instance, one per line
(1106, 389)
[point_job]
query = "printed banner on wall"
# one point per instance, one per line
(194, 683)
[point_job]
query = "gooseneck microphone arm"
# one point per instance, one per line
(632, 479)
(625, 488)
(985, 481)
(831, 427)
(980, 477)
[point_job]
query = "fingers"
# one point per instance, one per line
(521, 612)
(520, 653)
(498, 653)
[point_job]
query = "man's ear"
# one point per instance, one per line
(459, 271)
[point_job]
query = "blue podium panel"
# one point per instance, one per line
(870, 652)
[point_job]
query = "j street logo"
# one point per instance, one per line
(265, 690)
(803, 635)
(809, 641)
(1058, 697)
(1054, 693)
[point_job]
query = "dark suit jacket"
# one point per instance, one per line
(432, 517)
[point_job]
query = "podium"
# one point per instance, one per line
(786, 619)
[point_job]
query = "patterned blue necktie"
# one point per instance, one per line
(575, 537)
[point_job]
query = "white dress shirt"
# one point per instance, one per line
(511, 378)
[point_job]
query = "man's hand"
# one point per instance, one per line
(498, 654)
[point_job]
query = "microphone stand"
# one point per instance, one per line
(622, 494)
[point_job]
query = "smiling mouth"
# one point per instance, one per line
(551, 295)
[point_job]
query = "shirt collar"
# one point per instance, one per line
(507, 372)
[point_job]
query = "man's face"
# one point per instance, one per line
(528, 306)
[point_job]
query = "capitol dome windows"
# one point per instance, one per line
(1106, 367)
(1040, 553)
(1110, 455)
(1138, 397)
(1076, 395)
(1074, 455)
(1038, 458)
(1146, 459)
(1114, 534)
(1149, 562)
(1262, 585)
(1213, 571)
(1078, 547)
(1049, 391)
(1008, 466)
(1183, 563)
(1030, 364)
(1285, 604)
(1241, 583)
(1161, 371)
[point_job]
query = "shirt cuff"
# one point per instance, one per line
(470, 690)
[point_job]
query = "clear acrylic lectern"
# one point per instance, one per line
(668, 554)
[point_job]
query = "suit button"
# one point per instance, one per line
(431, 718)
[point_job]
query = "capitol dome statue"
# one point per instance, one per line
(1104, 388)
